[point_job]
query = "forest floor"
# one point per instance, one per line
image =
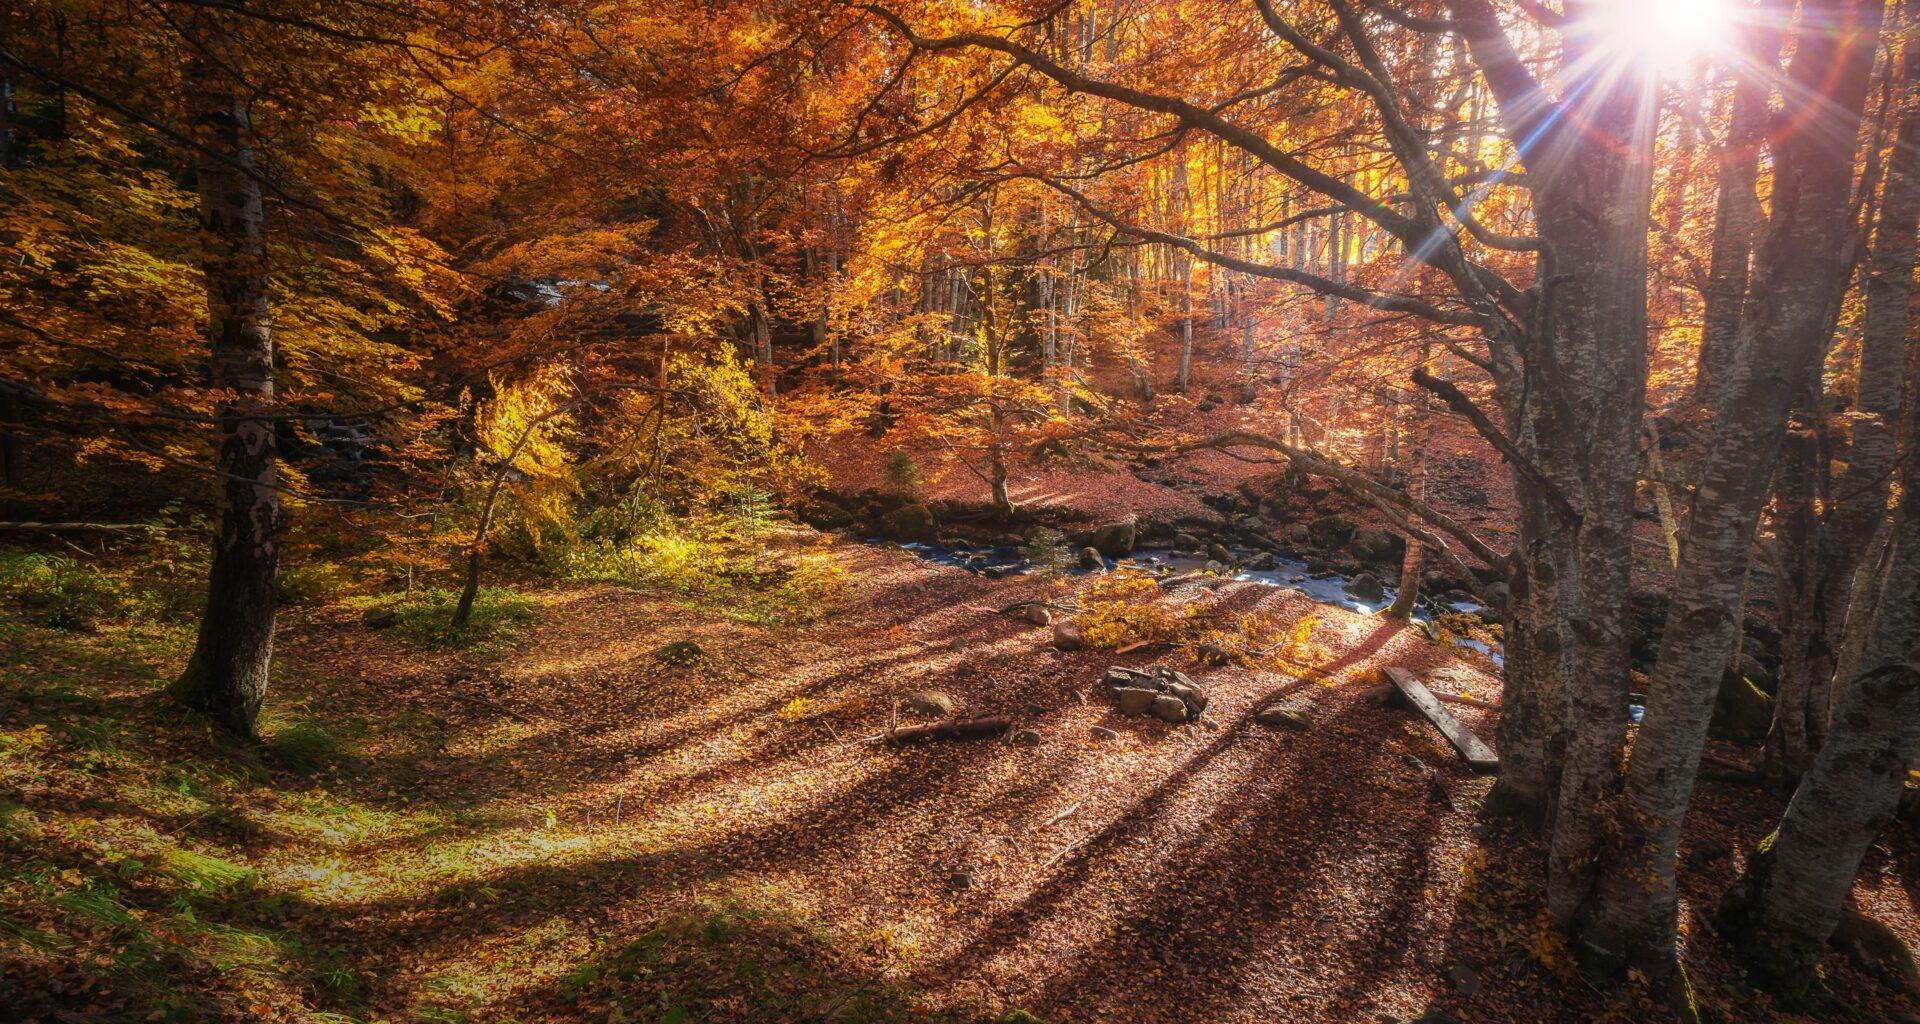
(570, 824)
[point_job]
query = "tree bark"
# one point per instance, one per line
(1630, 914)
(1736, 217)
(1786, 905)
(226, 678)
(1858, 507)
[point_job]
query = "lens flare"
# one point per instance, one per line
(1662, 34)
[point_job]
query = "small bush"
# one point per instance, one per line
(902, 474)
(1047, 550)
(64, 593)
(314, 581)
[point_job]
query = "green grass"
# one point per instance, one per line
(500, 618)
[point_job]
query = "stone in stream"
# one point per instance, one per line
(1367, 587)
(1377, 546)
(1135, 701)
(1066, 636)
(1090, 559)
(1116, 539)
(1039, 615)
(1298, 535)
(1169, 708)
(931, 703)
(1219, 553)
(1215, 566)
(911, 523)
(1263, 562)
(1186, 542)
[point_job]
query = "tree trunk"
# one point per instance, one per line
(1858, 507)
(1630, 915)
(1785, 907)
(227, 675)
(1736, 216)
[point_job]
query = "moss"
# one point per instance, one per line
(1741, 712)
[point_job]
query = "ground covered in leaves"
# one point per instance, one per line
(627, 807)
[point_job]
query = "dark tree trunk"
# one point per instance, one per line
(1736, 216)
(1858, 504)
(227, 675)
(1630, 915)
(1785, 907)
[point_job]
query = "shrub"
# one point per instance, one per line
(314, 581)
(62, 592)
(902, 474)
(425, 617)
(1047, 550)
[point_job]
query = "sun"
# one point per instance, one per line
(1664, 35)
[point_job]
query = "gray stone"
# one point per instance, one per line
(1101, 732)
(1214, 566)
(1169, 708)
(1330, 531)
(1286, 718)
(1298, 535)
(1367, 587)
(1263, 562)
(1116, 539)
(1027, 738)
(911, 523)
(1118, 677)
(1186, 542)
(1067, 637)
(825, 515)
(1194, 697)
(1377, 546)
(1136, 701)
(931, 703)
(1039, 615)
(1219, 553)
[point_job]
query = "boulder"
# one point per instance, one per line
(1377, 546)
(1219, 553)
(825, 515)
(1169, 708)
(1116, 539)
(1136, 701)
(1192, 696)
(1118, 677)
(1367, 587)
(1330, 532)
(931, 703)
(1215, 566)
(1039, 615)
(1067, 636)
(1298, 535)
(1285, 718)
(1263, 562)
(1027, 738)
(1186, 542)
(1741, 712)
(1090, 559)
(1878, 951)
(379, 618)
(910, 523)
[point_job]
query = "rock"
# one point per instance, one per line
(1263, 562)
(931, 703)
(1101, 732)
(1136, 701)
(960, 878)
(1298, 535)
(1215, 566)
(1465, 980)
(1090, 559)
(1194, 697)
(825, 515)
(679, 652)
(379, 618)
(1039, 615)
(1118, 677)
(1116, 539)
(1027, 738)
(1219, 553)
(1330, 532)
(1186, 542)
(1377, 546)
(1169, 708)
(1384, 695)
(1878, 951)
(910, 523)
(1067, 637)
(1286, 718)
(1741, 712)
(1367, 587)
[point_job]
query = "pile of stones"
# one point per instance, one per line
(1158, 691)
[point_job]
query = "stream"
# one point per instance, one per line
(1288, 573)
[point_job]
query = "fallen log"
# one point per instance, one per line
(950, 729)
(1477, 754)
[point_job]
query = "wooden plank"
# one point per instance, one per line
(1475, 753)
